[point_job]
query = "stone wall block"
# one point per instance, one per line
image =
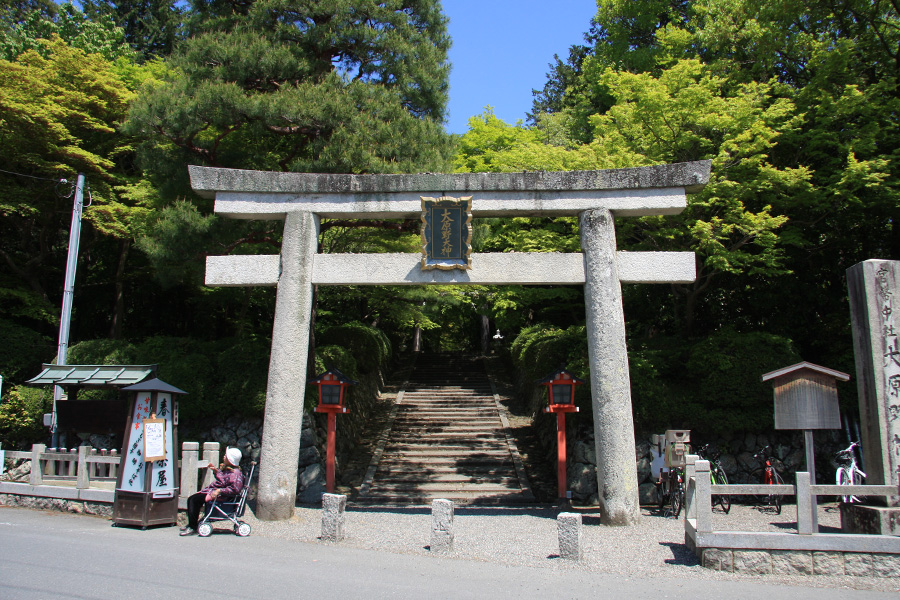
(858, 564)
(886, 565)
(752, 562)
(828, 563)
(792, 562)
(718, 560)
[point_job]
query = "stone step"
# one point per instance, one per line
(507, 479)
(438, 433)
(446, 445)
(463, 487)
(425, 500)
(443, 468)
(473, 423)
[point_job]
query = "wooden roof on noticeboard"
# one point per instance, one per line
(92, 375)
(808, 366)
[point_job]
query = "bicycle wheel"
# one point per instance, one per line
(777, 480)
(842, 477)
(723, 500)
(677, 502)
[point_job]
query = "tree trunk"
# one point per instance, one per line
(115, 329)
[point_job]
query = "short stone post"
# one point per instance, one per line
(190, 452)
(333, 506)
(569, 532)
(807, 519)
(83, 477)
(442, 526)
(37, 474)
(210, 455)
(703, 496)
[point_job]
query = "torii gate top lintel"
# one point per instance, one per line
(626, 192)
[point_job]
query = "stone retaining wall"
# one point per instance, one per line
(799, 562)
(100, 509)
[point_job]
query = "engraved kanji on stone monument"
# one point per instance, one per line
(446, 233)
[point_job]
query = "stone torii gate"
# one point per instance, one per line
(301, 199)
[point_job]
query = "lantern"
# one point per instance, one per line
(561, 391)
(332, 386)
(561, 398)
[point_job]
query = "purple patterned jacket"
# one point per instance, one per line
(229, 482)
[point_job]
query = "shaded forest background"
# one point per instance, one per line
(796, 105)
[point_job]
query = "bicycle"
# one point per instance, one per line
(717, 477)
(671, 491)
(849, 474)
(771, 477)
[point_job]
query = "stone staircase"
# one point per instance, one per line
(446, 439)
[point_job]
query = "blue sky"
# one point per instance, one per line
(502, 49)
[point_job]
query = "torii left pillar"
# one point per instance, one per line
(280, 449)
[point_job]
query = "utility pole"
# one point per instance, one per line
(65, 318)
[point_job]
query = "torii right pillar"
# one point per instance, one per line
(617, 483)
(873, 286)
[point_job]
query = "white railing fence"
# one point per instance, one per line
(699, 492)
(84, 465)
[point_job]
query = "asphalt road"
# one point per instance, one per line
(55, 555)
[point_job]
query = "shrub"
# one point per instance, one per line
(369, 346)
(21, 417)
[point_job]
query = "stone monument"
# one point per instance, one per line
(873, 287)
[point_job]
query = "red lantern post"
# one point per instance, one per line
(332, 385)
(561, 398)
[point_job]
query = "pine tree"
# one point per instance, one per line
(329, 86)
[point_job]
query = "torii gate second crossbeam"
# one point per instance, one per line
(301, 199)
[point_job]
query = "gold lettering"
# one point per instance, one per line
(446, 232)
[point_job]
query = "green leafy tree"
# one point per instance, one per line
(150, 27)
(60, 109)
(23, 30)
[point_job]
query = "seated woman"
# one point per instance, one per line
(229, 481)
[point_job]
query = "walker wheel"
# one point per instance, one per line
(204, 530)
(242, 529)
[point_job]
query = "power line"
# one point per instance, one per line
(31, 176)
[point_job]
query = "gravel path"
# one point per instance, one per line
(527, 537)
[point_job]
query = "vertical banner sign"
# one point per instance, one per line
(446, 233)
(133, 462)
(163, 471)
